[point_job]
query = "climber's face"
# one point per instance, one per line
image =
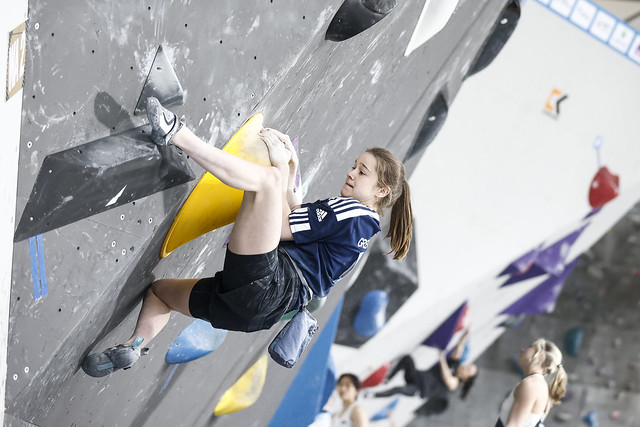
(361, 182)
(529, 356)
(346, 389)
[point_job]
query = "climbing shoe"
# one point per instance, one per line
(119, 357)
(164, 124)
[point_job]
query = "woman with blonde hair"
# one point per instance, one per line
(281, 252)
(532, 398)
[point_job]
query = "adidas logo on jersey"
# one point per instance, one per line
(321, 214)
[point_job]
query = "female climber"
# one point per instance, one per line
(436, 383)
(280, 253)
(529, 402)
(351, 413)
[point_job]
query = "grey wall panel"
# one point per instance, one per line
(87, 64)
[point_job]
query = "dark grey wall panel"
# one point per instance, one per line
(91, 178)
(87, 65)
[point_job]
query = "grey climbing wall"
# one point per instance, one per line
(77, 282)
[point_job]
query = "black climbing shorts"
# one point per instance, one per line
(251, 293)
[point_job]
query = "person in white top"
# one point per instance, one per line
(351, 414)
(529, 402)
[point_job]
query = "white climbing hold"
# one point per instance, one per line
(116, 197)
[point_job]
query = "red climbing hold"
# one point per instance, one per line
(463, 321)
(377, 376)
(604, 188)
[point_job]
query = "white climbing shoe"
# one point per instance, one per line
(164, 124)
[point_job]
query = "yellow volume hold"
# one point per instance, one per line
(244, 392)
(213, 204)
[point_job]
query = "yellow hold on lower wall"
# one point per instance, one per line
(244, 392)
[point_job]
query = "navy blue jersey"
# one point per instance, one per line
(329, 237)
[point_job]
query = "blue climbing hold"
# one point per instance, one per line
(465, 352)
(384, 412)
(372, 314)
(196, 340)
(591, 419)
(573, 340)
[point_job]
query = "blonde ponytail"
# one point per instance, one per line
(553, 364)
(401, 224)
(558, 387)
(390, 172)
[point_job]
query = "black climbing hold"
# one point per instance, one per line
(501, 32)
(92, 178)
(431, 124)
(162, 83)
(355, 16)
(433, 406)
